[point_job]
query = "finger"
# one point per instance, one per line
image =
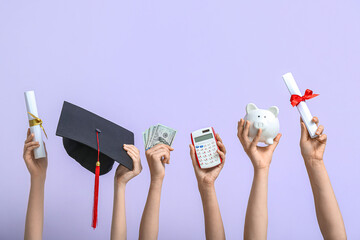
(320, 130)
(30, 144)
(160, 152)
(192, 155)
(304, 133)
(222, 155)
(130, 146)
(159, 146)
(133, 151)
(45, 148)
(322, 138)
(29, 138)
(276, 141)
(315, 120)
(240, 128)
(245, 133)
(136, 163)
(28, 132)
(217, 137)
(30, 149)
(221, 147)
(134, 156)
(164, 156)
(255, 141)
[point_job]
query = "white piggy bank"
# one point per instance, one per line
(267, 120)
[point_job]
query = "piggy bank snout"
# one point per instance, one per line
(260, 125)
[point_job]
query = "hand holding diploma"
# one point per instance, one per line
(37, 167)
(35, 123)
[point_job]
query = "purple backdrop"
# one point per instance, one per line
(186, 64)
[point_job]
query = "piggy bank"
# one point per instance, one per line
(266, 120)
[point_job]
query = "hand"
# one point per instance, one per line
(208, 176)
(259, 156)
(156, 157)
(36, 167)
(312, 149)
(122, 174)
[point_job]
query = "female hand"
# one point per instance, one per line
(259, 156)
(209, 175)
(122, 174)
(156, 157)
(36, 167)
(312, 149)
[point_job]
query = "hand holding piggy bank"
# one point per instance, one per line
(266, 120)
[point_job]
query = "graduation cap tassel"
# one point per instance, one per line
(96, 188)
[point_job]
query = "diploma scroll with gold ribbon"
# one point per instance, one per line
(35, 123)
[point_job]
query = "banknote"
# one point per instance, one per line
(158, 134)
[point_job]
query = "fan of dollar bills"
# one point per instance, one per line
(158, 134)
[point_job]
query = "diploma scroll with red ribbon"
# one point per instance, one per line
(298, 100)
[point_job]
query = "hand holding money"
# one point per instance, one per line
(158, 134)
(157, 157)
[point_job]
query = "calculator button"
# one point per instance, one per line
(197, 146)
(201, 146)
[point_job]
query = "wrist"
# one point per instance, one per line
(156, 181)
(312, 163)
(204, 187)
(262, 170)
(119, 184)
(36, 179)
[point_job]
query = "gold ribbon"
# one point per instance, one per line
(36, 121)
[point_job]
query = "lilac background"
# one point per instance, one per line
(186, 64)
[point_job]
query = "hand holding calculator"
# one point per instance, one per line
(205, 147)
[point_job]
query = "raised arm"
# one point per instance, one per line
(214, 228)
(256, 220)
(327, 209)
(37, 169)
(122, 176)
(156, 157)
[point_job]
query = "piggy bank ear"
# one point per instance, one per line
(274, 110)
(250, 107)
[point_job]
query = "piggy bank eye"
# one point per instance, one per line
(259, 116)
(264, 116)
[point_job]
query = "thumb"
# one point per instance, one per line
(192, 155)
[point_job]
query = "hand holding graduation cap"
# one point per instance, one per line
(36, 167)
(157, 157)
(123, 174)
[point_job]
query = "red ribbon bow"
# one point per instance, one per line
(296, 99)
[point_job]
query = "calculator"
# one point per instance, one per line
(205, 147)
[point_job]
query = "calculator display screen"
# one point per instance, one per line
(204, 137)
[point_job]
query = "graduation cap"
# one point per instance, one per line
(93, 142)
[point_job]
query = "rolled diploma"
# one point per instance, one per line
(31, 108)
(302, 106)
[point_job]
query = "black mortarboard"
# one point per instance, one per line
(78, 128)
(85, 135)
